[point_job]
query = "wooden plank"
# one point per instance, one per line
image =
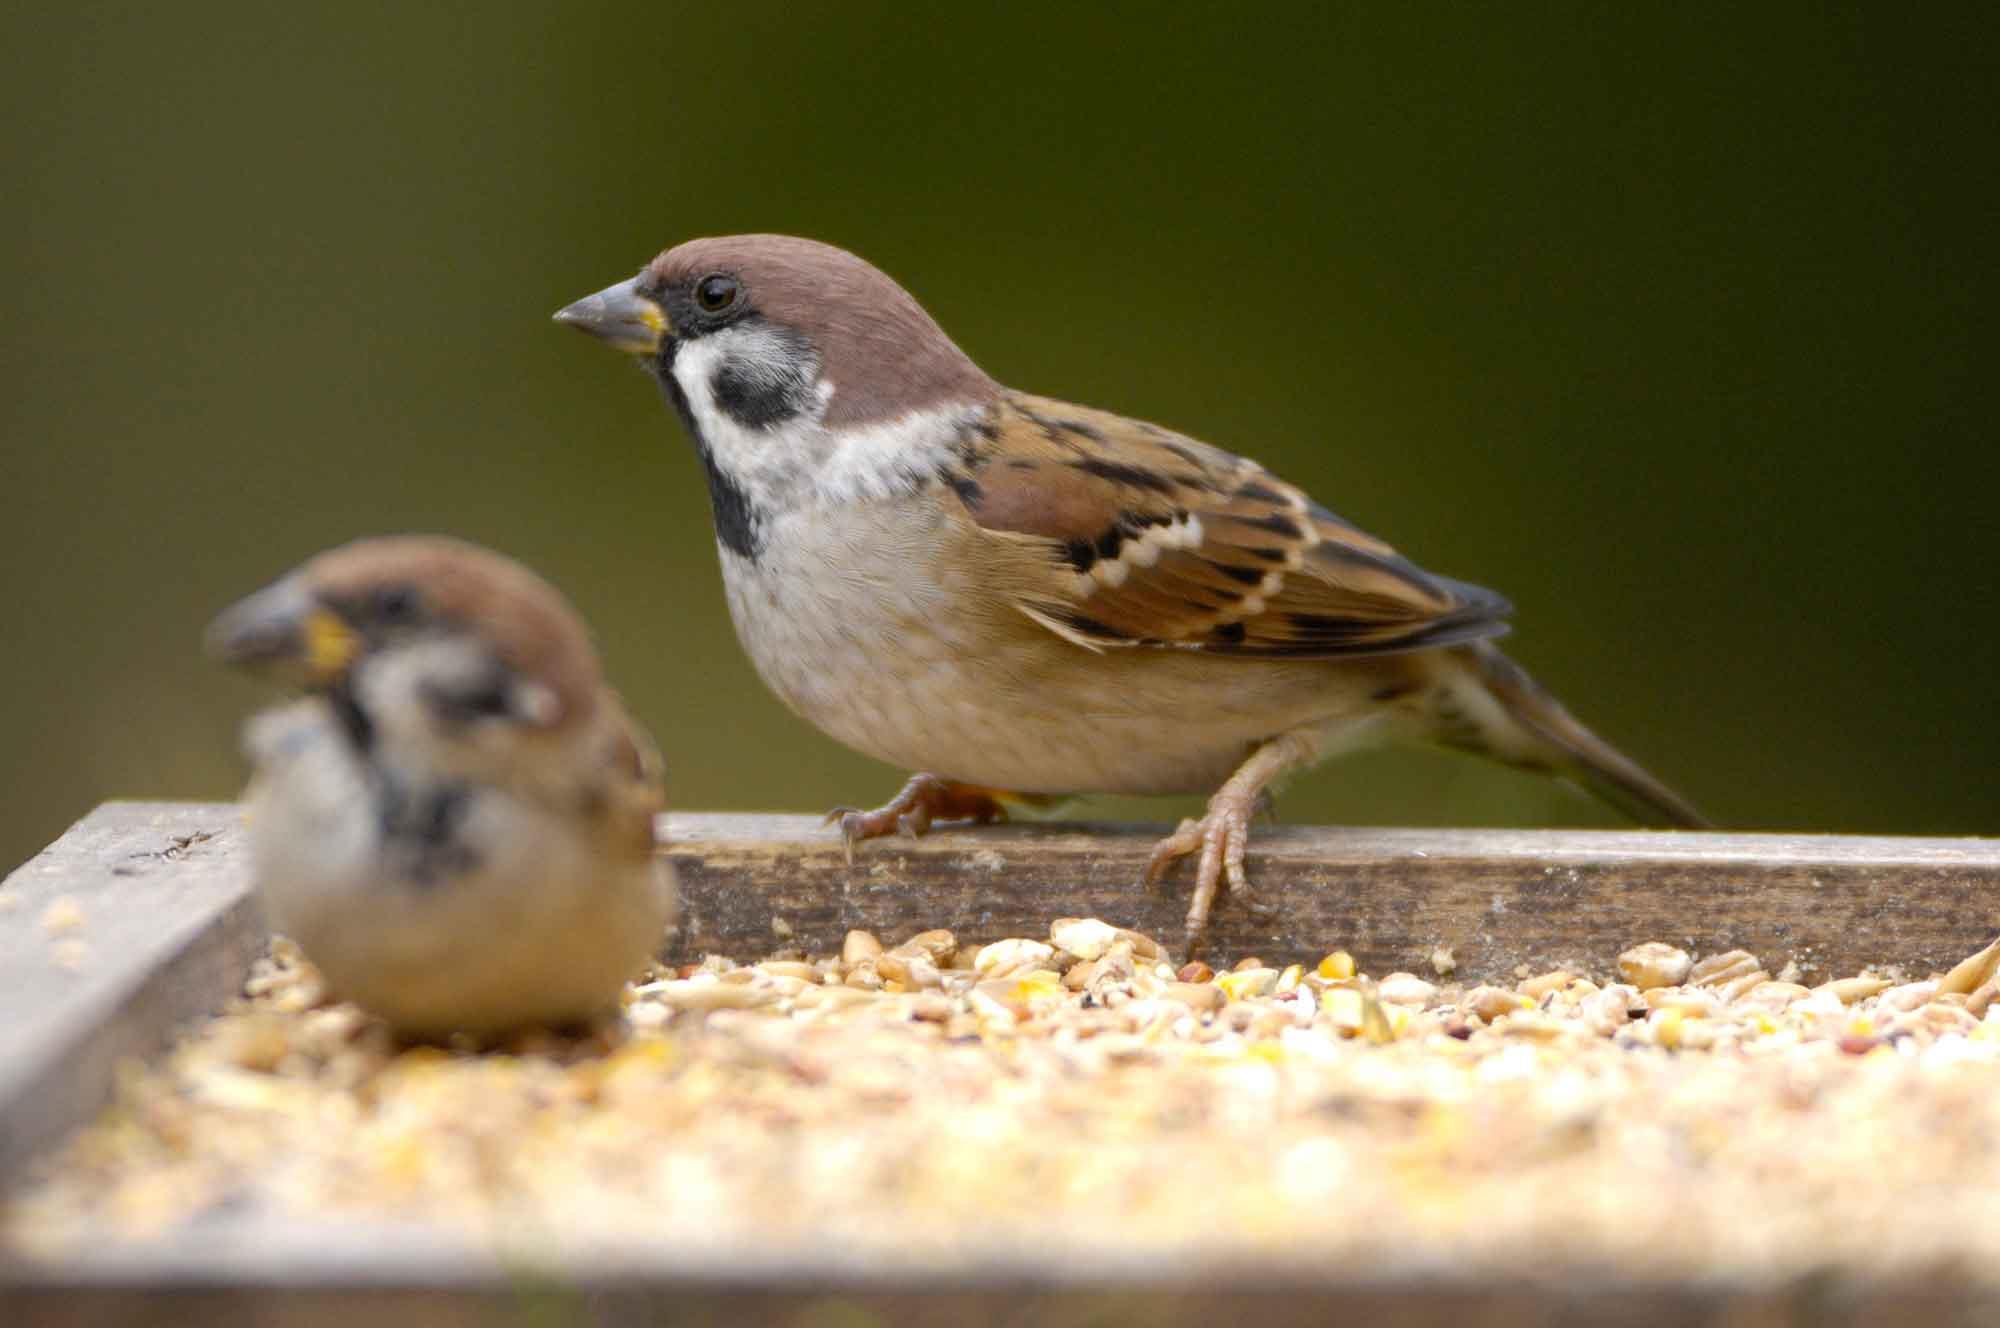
(264, 1272)
(162, 889)
(1497, 898)
(135, 921)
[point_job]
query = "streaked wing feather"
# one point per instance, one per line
(1153, 539)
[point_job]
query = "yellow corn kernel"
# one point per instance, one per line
(1246, 983)
(1667, 1027)
(1343, 1009)
(1036, 984)
(1337, 966)
(1375, 1024)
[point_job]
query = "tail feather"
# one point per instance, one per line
(1534, 730)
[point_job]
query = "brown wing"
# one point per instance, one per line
(635, 781)
(1152, 539)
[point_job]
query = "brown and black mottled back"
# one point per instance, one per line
(1155, 539)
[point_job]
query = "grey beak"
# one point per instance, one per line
(268, 626)
(620, 316)
(282, 629)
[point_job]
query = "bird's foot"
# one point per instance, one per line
(1222, 837)
(924, 800)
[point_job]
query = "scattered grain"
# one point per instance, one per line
(1654, 964)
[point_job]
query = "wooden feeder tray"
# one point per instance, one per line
(139, 924)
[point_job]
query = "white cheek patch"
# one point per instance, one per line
(756, 357)
(767, 359)
(765, 463)
(694, 367)
(798, 462)
(391, 684)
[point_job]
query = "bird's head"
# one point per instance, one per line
(419, 632)
(802, 372)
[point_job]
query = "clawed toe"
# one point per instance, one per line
(1253, 903)
(1183, 841)
(1222, 837)
(923, 802)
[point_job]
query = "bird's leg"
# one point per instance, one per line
(1223, 835)
(925, 799)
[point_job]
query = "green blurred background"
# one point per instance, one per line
(1674, 327)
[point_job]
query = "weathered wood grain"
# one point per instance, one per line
(1497, 898)
(279, 1274)
(159, 930)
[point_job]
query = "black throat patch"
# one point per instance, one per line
(420, 828)
(738, 522)
(353, 720)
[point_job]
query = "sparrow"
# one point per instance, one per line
(1026, 599)
(455, 821)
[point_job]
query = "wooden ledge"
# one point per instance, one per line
(140, 917)
(1496, 898)
(285, 1276)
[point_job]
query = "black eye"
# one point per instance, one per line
(715, 292)
(395, 604)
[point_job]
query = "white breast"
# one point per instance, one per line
(853, 620)
(535, 923)
(841, 630)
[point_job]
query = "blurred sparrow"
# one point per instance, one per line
(1021, 596)
(456, 823)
